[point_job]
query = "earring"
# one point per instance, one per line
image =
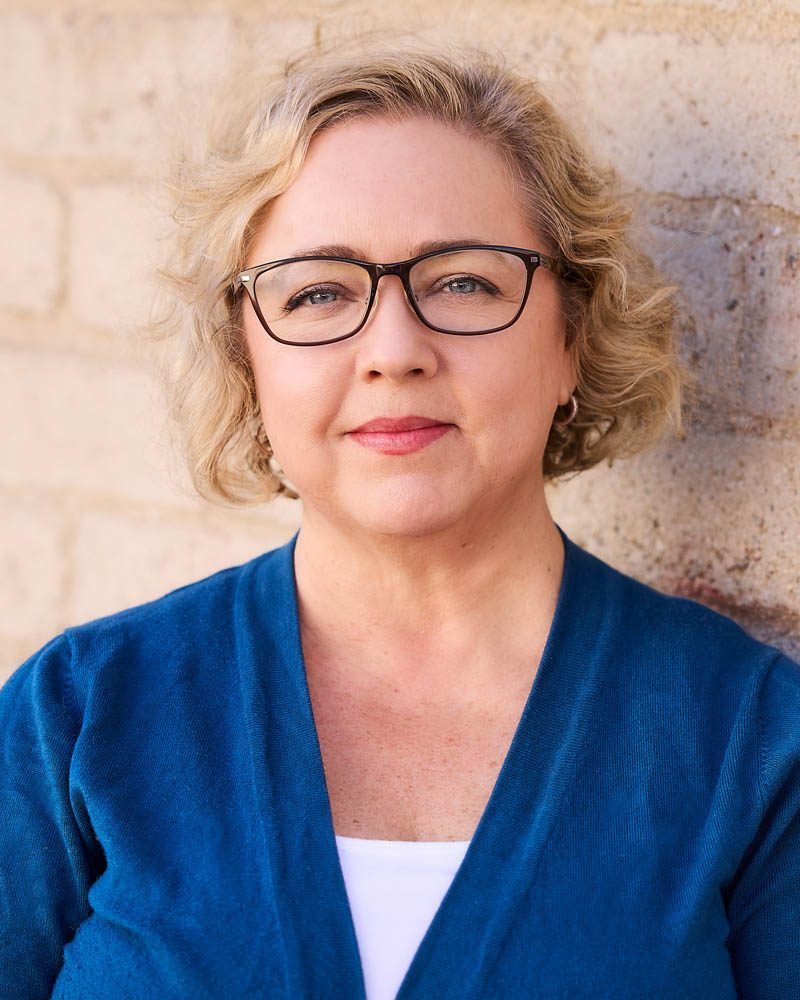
(261, 461)
(561, 424)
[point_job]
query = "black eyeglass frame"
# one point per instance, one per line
(532, 259)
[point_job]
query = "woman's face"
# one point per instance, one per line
(383, 188)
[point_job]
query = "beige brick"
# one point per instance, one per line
(688, 5)
(28, 82)
(263, 43)
(124, 78)
(122, 560)
(115, 245)
(534, 37)
(31, 253)
(721, 510)
(699, 119)
(83, 426)
(14, 652)
(32, 569)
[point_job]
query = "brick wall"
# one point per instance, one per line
(697, 105)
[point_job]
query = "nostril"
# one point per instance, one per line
(376, 373)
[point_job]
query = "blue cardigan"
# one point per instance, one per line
(165, 829)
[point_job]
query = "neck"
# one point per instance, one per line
(413, 606)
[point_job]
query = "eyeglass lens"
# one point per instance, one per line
(463, 291)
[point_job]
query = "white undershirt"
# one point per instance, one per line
(394, 888)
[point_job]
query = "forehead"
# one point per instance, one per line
(388, 186)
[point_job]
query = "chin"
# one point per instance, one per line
(406, 507)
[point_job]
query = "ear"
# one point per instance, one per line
(568, 377)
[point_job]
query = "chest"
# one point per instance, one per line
(400, 772)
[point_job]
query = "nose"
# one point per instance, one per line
(394, 343)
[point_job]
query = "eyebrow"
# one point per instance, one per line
(345, 250)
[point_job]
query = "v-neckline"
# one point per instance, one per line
(501, 858)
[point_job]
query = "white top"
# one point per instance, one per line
(394, 888)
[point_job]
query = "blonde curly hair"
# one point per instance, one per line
(619, 314)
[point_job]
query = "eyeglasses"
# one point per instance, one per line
(465, 290)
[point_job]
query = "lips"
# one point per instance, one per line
(390, 425)
(399, 435)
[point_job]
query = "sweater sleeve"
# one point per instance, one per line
(44, 864)
(764, 907)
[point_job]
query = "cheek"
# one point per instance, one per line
(515, 384)
(298, 400)
(513, 395)
(297, 396)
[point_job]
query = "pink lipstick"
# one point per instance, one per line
(399, 436)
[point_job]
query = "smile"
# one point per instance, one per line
(400, 442)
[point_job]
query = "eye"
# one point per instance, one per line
(321, 295)
(463, 284)
(466, 284)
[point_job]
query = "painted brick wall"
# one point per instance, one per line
(695, 103)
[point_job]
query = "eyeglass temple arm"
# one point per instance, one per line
(557, 265)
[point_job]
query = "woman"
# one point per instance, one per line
(429, 748)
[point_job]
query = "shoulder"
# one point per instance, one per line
(680, 668)
(185, 630)
(680, 651)
(651, 621)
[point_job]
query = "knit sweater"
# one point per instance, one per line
(166, 832)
